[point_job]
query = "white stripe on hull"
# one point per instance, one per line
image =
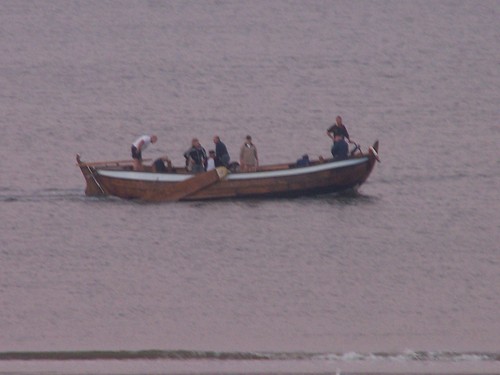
(172, 177)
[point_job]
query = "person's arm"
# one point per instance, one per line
(204, 157)
(347, 135)
(329, 132)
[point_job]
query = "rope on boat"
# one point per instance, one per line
(95, 180)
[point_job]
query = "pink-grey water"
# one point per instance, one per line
(404, 277)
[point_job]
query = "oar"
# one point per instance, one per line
(113, 163)
(190, 186)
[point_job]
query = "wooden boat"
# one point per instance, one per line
(117, 178)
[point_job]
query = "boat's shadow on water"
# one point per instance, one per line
(337, 199)
(341, 199)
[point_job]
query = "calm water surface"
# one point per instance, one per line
(403, 277)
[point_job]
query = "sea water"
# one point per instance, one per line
(403, 277)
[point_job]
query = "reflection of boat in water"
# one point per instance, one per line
(116, 178)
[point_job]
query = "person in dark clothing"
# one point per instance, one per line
(196, 157)
(303, 161)
(340, 149)
(221, 151)
(338, 129)
(159, 165)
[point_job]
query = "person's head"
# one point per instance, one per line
(216, 139)
(248, 139)
(154, 138)
(195, 142)
(338, 120)
(211, 154)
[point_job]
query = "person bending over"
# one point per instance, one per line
(138, 145)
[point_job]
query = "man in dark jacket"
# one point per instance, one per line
(196, 157)
(338, 129)
(221, 151)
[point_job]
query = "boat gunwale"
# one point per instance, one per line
(172, 177)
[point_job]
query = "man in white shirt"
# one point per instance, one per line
(140, 144)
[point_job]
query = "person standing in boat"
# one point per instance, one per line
(196, 157)
(249, 161)
(338, 128)
(340, 148)
(140, 144)
(221, 151)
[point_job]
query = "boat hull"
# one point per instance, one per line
(280, 181)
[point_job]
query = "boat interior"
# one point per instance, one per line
(150, 165)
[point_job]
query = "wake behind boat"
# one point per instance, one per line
(117, 178)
